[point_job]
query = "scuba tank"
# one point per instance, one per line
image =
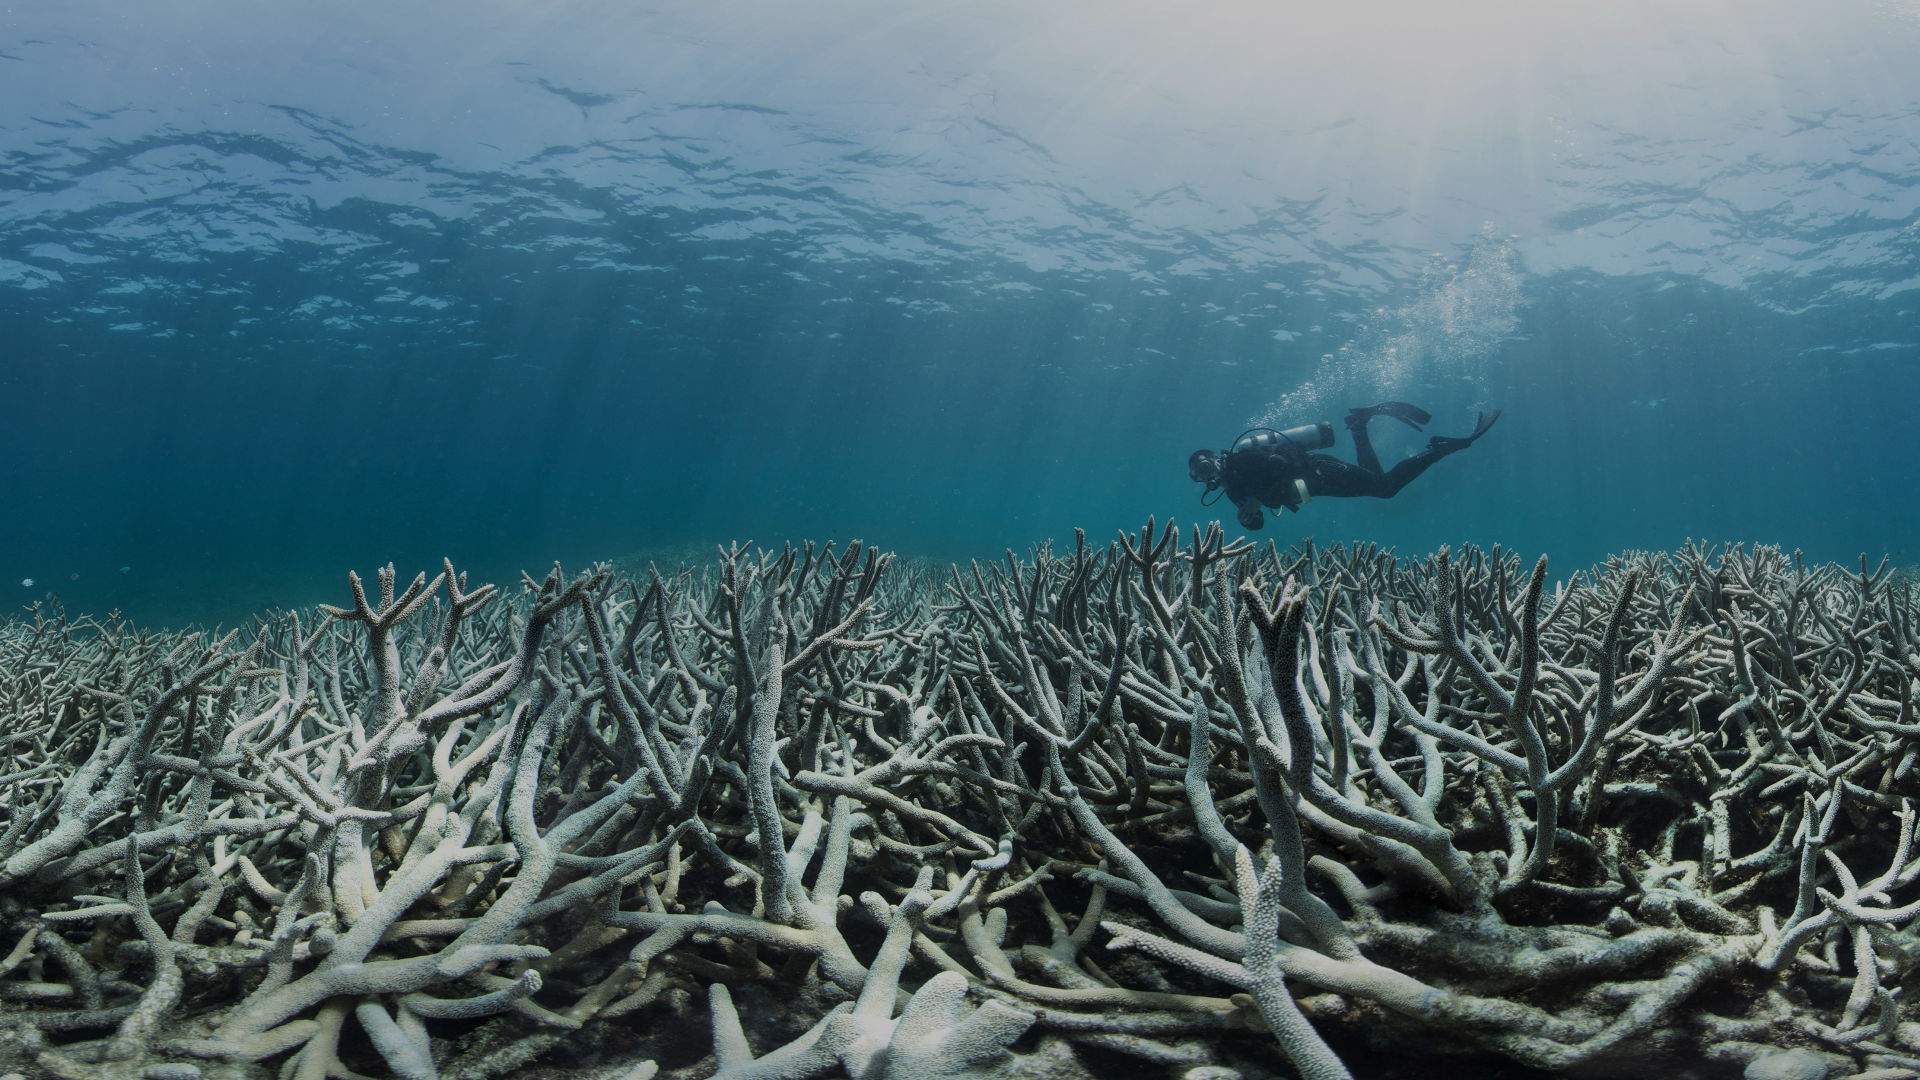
(1305, 437)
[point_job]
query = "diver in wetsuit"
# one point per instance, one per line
(1265, 467)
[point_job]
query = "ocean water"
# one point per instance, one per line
(291, 290)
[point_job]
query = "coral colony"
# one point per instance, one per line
(1195, 806)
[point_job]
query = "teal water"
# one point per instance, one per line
(289, 291)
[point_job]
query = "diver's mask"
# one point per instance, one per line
(1203, 467)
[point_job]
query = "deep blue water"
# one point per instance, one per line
(286, 291)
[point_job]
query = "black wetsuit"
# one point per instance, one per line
(1264, 476)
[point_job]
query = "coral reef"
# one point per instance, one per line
(1202, 806)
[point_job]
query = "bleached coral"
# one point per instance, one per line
(1657, 816)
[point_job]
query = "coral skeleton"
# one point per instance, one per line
(1197, 805)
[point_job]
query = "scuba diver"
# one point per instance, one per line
(1272, 468)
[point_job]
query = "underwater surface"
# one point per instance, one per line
(289, 290)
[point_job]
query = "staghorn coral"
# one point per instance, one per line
(1660, 818)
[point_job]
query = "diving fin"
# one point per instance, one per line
(1450, 444)
(1411, 415)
